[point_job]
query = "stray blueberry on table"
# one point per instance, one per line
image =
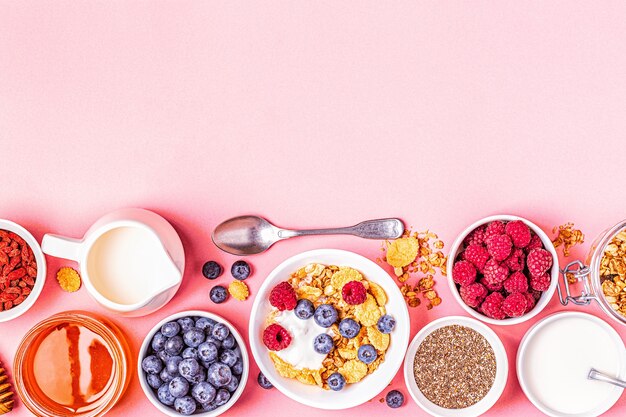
(386, 324)
(325, 315)
(219, 375)
(174, 345)
(394, 398)
(263, 381)
(152, 365)
(164, 395)
(220, 332)
(170, 329)
(349, 328)
(185, 405)
(323, 344)
(304, 309)
(336, 381)
(240, 270)
(218, 294)
(367, 354)
(203, 392)
(211, 270)
(179, 387)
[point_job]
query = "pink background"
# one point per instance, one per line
(317, 113)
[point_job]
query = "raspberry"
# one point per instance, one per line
(538, 262)
(499, 247)
(463, 273)
(535, 243)
(492, 306)
(540, 283)
(494, 229)
(473, 294)
(283, 297)
(276, 337)
(516, 282)
(354, 293)
(494, 272)
(515, 261)
(530, 302)
(475, 237)
(492, 286)
(477, 255)
(515, 305)
(518, 232)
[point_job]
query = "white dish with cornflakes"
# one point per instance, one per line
(377, 378)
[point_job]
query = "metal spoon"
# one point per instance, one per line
(599, 376)
(247, 235)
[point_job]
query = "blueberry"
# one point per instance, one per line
(233, 384)
(197, 378)
(163, 355)
(154, 381)
(220, 332)
(240, 270)
(304, 309)
(164, 395)
(190, 353)
(219, 375)
(205, 323)
(186, 323)
(228, 358)
(208, 351)
(229, 342)
(218, 294)
(367, 354)
(386, 324)
(263, 381)
(394, 398)
(158, 342)
(349, 328)
(221, 397)
(210, 406)
(170, 329)
(166, 376)
(325, 315)
(171, 365)
(203, 392)
(179, 387)
(211, 270)
(189, 368)
(237, 368)
(185, 406)
(151, 364)
(193, 337)
(336, 381)
(174, 345)
(323, 344)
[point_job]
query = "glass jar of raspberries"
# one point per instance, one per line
(503, 269)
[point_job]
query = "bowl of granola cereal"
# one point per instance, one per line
(329, 328)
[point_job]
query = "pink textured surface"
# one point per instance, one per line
(312, 114)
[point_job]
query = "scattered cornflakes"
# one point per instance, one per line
(401, 252)
(69, 279)
(239, 290)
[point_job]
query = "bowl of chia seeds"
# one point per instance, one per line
(456, 366)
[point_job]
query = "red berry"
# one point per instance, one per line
(477, 255)
(283, 296)
(519, 233)
(494, 272)
(492, 286)
(535, 243)
(514, 305)
(493, 229)
(276, 337)
(516, 260)
(492, 306)
(516, 282)
(499, 247)
(540, 283)
(354, 293)
(538, 262)
(463, 273)
(530, 302)
(475, 237)
(473, 294)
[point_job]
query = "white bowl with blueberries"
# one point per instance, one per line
(193, 363)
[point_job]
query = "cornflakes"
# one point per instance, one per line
(353, 371)
(379, 340)
(401, 252)
(367, 313)
(69, 279)
(343, 276)
(239, 290)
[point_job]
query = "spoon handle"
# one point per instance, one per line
(370, 229)
(599, 376)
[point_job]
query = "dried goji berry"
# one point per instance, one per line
(28, 280)
(18, 300)
(17, 274)
(31, 271)
(8, 305)
(4, 259)
(26, 291)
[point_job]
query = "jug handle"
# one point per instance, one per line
(61, 247)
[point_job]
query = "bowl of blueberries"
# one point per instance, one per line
(193, 363)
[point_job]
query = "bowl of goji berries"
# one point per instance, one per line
(503, 269)
(22, 270)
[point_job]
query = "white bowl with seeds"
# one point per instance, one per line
(456, 366)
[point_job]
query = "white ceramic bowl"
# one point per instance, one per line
(545, 297)
(502, 369)
(145, 346)
(353, 394)
(41, 271)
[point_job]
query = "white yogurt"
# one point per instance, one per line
(300, 353)
(557, 360)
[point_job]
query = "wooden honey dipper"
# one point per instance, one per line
(6, 393)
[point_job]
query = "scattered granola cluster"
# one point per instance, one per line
(416, 253)
(567, 237)
(613, 273)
